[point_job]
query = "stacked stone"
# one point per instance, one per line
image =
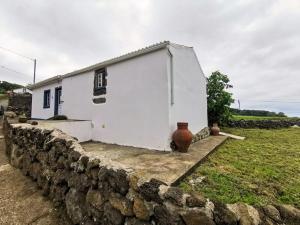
(262, 124)
(94, 192)
(20, 104)
(204, 133)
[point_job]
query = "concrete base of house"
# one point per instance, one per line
(168, 167)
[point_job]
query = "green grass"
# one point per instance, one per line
(3, 96)
(264, 168)
(239, 117)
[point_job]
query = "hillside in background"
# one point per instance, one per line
(6, 86)
(252, 112)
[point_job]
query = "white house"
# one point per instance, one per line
(22, 90)
(135, 99)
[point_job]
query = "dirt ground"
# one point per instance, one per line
(20, 200)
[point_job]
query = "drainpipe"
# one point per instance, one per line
(171, 76)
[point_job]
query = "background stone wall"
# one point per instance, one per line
(94, 192)
(263, 124)
(20, 103)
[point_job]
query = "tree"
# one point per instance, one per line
(218, 99)
(6, 86)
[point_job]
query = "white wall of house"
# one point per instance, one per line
(80, 129)
(22, 90)
(138, 111)
(189, 90)
(37, 109)
(136, 108)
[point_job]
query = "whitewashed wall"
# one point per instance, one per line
(136, 108)
(80, 129)
(37, 110)
(190, 103)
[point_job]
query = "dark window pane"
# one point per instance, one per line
(46, 99)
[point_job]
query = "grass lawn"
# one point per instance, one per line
(263, 168)
(3, 96)
(239, 117)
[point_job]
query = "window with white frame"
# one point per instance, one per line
(100, 82)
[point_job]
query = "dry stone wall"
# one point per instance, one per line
(20, 103)
(262, 124)
(95, 192)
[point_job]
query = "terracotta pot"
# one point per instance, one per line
(182, 137)
(215, 130)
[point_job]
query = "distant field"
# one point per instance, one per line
(239, 117)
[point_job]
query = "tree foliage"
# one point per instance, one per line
(253, 112)
(6, 86)
(218, 99)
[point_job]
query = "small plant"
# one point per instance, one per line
(58, 117)
(22, 118)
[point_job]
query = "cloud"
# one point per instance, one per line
(255, 42)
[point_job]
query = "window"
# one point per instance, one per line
(47, 99)
(100, 82)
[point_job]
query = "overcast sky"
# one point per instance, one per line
(255, 42)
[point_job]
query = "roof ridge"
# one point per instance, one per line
(120, 58)
(104, 63)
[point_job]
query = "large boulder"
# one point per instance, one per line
(75, 205)
(95, 199)
(246, 214)
(196, 217)
(289, 213)
(195, 200)
(134, 221)
(223, 216)
(140, 209)
(271, 212)
(118, 181)
(163, 216)
(112, 216)
(150, 190)
(10, 114)
(122, 204)
(174, 195)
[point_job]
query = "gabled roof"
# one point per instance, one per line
(121, 58)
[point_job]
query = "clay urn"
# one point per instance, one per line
(215, 130)
(182, 137)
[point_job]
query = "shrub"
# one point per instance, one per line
(58, 117)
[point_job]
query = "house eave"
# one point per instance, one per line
(122, 58)
(51, 80)
(140, 52)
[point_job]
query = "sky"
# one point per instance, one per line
(255, 42)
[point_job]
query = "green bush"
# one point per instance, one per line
(58, 117)
(218, 99)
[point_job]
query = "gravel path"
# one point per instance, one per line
(20, 200)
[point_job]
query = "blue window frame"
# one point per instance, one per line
(47, 99)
